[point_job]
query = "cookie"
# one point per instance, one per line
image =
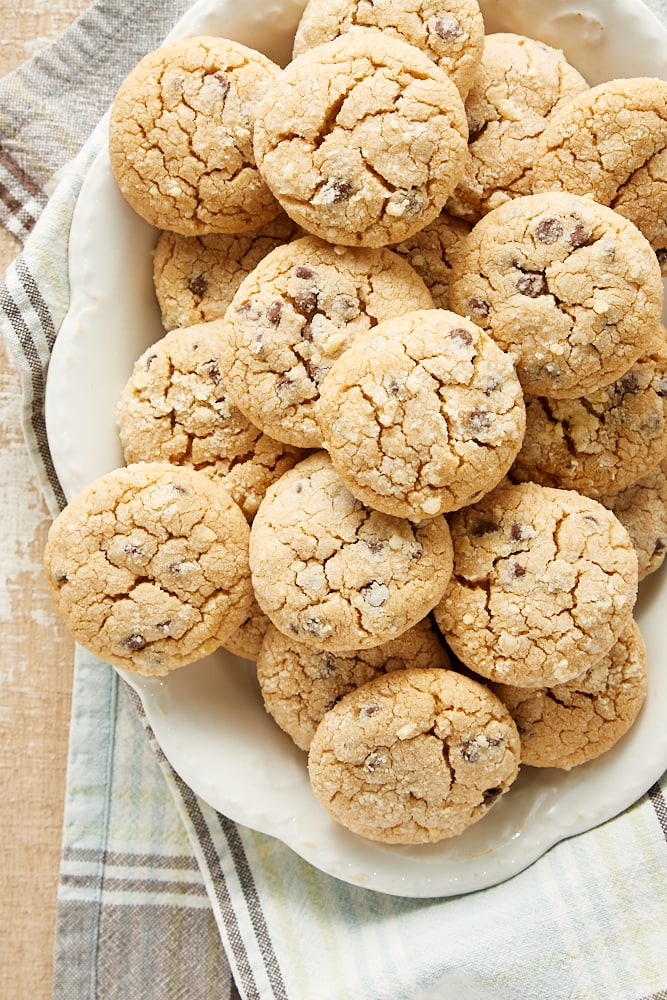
(520, 85)
(432, 251)
(642, 510)
(414, 756)
(568, 724)
(334, 574)
(246, 641)
(299, 683)
(300, 308)
(603, 442)
(544, 582)
(195, 277)
(451, 33)
(569, 288)
(180, 137)
(423, 415)
(175, 407)
(610, 143)
(362, 140)
(148, 567)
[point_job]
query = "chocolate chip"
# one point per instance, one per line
(198, 286)
(134, 642)
(549, 230)
(394, 387)
(490, 796)
(374, 761)
(175, 568)
(303, 272)
(214, 371)
(660, 386)
(274, 311)
(335, 190)
(532, 285)
(224, 82)
(516, 532)
(133, 550)
(177, 488)
(306, 301)
(368, 711)
(479, 307)
(163, 626)
(416, 551)
(479, 421)
(629, 383)
(659, 546)
(447, 27)
(315, 372)
(345, 306)
(284, 382)
(342, 190)
(327, 665)
(484, 527)
(580, 237)
(307, 333)
(149, 360)
(461, 336)
(473, 750)
(375, 546)
(518, 571)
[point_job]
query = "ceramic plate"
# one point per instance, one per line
(208, 717)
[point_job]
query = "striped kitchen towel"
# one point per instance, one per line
(160, 896)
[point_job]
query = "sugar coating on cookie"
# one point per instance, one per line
(148, 567)
(520, 84)
(363, 139)
(414, 756)
(181, 133)
(432, 251)
(451, 33)
(335, 574)
(568, 724)
(611, 143)
(195, 277)
(642, 510)
(568, 287)
(299, 309)
(175, 407)
(603, 442)
(299, 683)
(544, 582)
(423, 415)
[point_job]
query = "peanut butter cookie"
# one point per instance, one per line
(642, 510)
(544, 582)
(363, 139)
(334, 574)
(148, 567)
(423, 415)
(180, 137)
(414, 756)
(568, 287)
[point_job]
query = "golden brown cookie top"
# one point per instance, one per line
(451, 33)
(180, 137)
(544, 582)
(148, 566)
(362, 139)
(422, 415)
(335, 574)
(414, 756)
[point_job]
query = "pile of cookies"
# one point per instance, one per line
(404, 441)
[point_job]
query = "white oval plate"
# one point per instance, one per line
(208, 717)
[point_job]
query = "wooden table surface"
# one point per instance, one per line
(36, 662)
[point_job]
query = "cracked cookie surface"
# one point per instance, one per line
(568, 724)
(544, 581)
(300, 308)
(414, 756)
(450, 33)
(148, 567)
(423, 415)
(175, 407)
(432, 251)
(335, 574)
(362, 140)
(603, 442)
(195, 277)
(568, 287)
(520, 84)
(299, 683)
(180, 137)
(642, 510)
(611, 143)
